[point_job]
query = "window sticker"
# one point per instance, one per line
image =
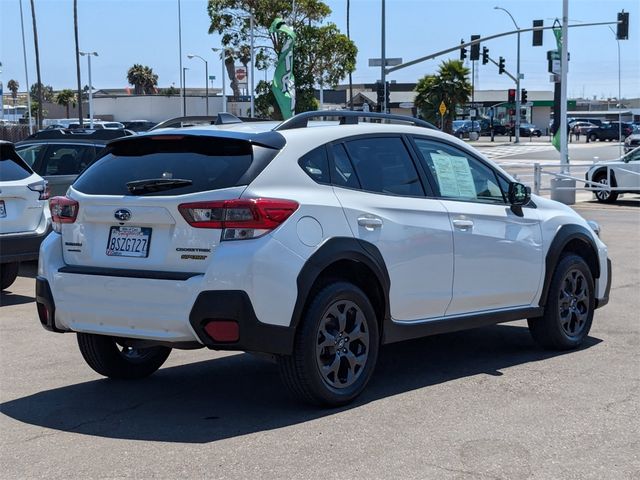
(454, 175)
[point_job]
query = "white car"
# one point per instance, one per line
(615, 177)
(316, 244)
(24, 218)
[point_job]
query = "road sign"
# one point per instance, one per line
(406, 105)
(390, 62)
(212, 77)
(443, 108)
(241, 73)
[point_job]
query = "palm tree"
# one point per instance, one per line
(39, 80)
(75, 31)
(65, 98)
(143, 79)
(450, 85)
(13, 86)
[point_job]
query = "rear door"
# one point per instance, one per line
(384, 200)
(144, 229)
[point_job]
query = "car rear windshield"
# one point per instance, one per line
(12, 167)
(208, 163)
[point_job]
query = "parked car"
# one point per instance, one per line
(526, 130)
(98, 125)
(498, 128)
(583, 127)
(462, 128)
(622, 174)
(632, 141)
(139, 125)
(60, 160)
(593, 121)
(609, 131)
(24, 220)
(315, 245)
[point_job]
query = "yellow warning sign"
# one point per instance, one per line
(443, 108)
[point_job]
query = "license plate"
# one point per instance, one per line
(3, 210)
(129, 242)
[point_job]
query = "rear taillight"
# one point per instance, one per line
(63, 210)
(241, 218)
(42, 188)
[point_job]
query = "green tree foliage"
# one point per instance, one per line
(143, 79)
(322, 53)
(13, 86)
(47, 92)
(450, 85)
(66, 98)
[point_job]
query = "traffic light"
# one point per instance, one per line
(475, 48)
(623, 26)
(501, 65)
(387, 95)
(523, 96)
(463, 51)
(379, 94)
(485, 55)
(537, 34)
(511, 95)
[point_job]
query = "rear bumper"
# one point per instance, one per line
(602, 301)
(21, 247)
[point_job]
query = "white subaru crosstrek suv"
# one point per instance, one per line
(316, 244)
(24, 218)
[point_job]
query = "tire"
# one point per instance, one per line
(8, 274)
(106, 357)
(603, 195)
(569, 309)
(336, 347)
(593, 137)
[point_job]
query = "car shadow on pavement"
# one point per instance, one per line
(7, 299)
(239, 394)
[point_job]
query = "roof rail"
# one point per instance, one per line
(348, 117)
(86, 133)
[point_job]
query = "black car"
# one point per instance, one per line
(526, 130)
(610, 131)
(139, 125)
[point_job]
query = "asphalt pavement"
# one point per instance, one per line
(480, 404)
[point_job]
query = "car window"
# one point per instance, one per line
(633, 156)
(460, 176)
(343, 174)
(30, 153)
(316, 165)
(384, 165)
(67, 159)
(12, 167)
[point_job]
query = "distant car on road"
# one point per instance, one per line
(462, 128)
(583, 127)
(633, 140)
(527, 130)
(139, 125)
(623, 173)
(609, 131)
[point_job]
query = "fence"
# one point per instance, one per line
(14, 133)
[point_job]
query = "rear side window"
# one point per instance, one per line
(316, 165)
(208, 163)
(67, 159)
(12, 167)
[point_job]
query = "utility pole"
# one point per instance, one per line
(383, 74)
(564, 146)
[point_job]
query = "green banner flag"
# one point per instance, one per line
(283, 85)
(555, 141)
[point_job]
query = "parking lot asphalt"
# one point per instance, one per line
(485, 403)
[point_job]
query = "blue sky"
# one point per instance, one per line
(125, 32)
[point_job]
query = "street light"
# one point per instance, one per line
(184, 93)
(89, 55)
(206, 76)
(517, 125)
(619, 98)
(224, 93)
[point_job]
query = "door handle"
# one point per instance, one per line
(463, 225)
(370, 222)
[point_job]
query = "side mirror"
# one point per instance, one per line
(519, 194)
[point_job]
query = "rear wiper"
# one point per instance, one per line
(156, 185)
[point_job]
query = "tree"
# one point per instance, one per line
(39, 79)
(321, 52)
(37, 90)
(143, 79)
(450, 85)
(65, 98)
(13, 87)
